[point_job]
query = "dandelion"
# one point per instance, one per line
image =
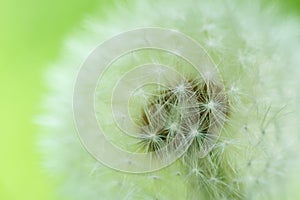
(223, 112)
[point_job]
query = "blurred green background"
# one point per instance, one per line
(31, 35)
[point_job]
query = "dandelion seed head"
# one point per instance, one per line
(257, 57)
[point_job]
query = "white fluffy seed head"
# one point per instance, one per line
(257, 56)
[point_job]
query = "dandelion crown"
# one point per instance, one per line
(174, 100)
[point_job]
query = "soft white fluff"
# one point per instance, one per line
(257, 53)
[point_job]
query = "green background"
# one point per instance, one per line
(31, 35)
